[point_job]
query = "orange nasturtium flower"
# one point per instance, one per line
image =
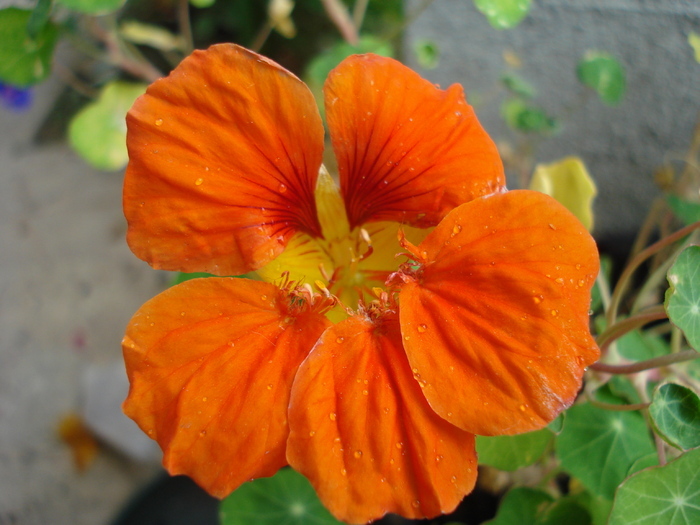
(368, 374)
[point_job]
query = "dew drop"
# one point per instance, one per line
(159, 122)
(269, 387)
(453, 479)
(422, 328)
(392, 461)
(182, 313)
(415, 504)
(343, 472)
(340, 340)
(203, 433)
(332, 416)
(263, 297)
(522, 408)
(439, 458)
(358, 454)
(554, 312)
(386, 410)
(456, 229)
(449, 414)
(559, 280)
(204, 399)
(537, 299)
(551, 226)
(365, 392)
(399, 445)
(282, 188)
(581, 282)
(406, 338)
(199, 182)
(312, 433)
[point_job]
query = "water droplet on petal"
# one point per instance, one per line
(399, 445)
(358, 454)
(554, 312)
(332, 416)
(537, 299)
(312, 433)
(199, 182)
(159, 122)
(365, 392)
(203, 433)
(422, 328)
(204, 399)
(406, 338)
(269, 387)
(340, 340)
(455, 230)
(343, 472)
(415, 504)
(282, 188)
(522, 408)
(559, 280)
(551, 226)
(578, 266)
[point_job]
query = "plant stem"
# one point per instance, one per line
(657, 362)
(358, 14)
(183, 20)
(341, 18)
(261, 36)
(625, 326)
(638, 259)
(617, 408)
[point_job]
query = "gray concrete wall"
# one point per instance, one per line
(623, 145)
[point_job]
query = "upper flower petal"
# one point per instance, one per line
(224, 157)
(362, 432)
(407, 151)
(211, 364)
(496, 320)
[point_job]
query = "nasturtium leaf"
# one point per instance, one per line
(597, 506)
(688, 212)
(604, 74)
(517, 85)
(557, 424)
(150, 35)
(39, 18)
(683, 296)
(675, 411)
(650, 460)
(503, 14)
(181, 277)
(694, 41)
(524, 117)
(202, 3)
(598, 446)
(512, 452)
(639, 345)
(427, 53)
(526, 506)
(285, 498)
(24, 60)
(93, 7)
(668, 495)
(568, 182)
(98, 131)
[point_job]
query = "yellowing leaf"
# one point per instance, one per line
(694, 41)
(280, 13)
(568, 182)
(150, 35)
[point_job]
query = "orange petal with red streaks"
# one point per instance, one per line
(211, 364)
(224, 155)
(496, 321)
(362, 432)
(407, 151)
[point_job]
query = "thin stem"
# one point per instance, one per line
(637, 261)
(617, 408)
(358, 14)
(604, 290)
(262, 36)
(341, 18)
(657, 207)
(183, 20)
(660, 449)
(631, 323)
(676, 339)
(657, 362)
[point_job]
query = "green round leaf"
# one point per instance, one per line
(605, 75)
(286, 498)
(98, 131)
(517, 85)
(512, 452)
(599, 446)
(93, 7)
(557, 424)
(675, 411)
(668, 495)
(688, 212)
(427, 53)
(24, 60)
(524, 117)
(683, 296)
(526, 506)
(503, 14)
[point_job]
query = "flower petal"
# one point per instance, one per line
(496, 321)
(362, 432)
(407, 151)
(211, 364)
(224, 157)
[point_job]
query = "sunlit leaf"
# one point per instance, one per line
(201, 4)
(557, 425)
(427, 53)
(694, 41)
(683, 296)
(521, 116)
(39, 18)
(675, 411)
(518, 86)
(150, 35)
(24, 60)
(668, 495)
(605, 75)
(688, 212)
(526, 506)
(512, 452)
(286, 498)
(93, 7)
(98, 131)
(650, 460)
(598, 446)
(503, 14)
(568, 182)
